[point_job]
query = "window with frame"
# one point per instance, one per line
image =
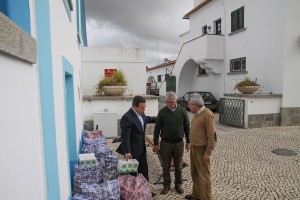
(159, 78)
(204, 30)
(18, 12)
(69, 7)
(167, 76)
(218, 27)
(238, 65)
(201, 71)
(237, 19)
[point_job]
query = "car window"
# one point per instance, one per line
(186, 96)
(210, 96)
(205, 95)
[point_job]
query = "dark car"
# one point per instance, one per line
(210, 101)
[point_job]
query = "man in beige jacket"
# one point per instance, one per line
(202, 140)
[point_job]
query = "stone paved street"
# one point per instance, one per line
(243, 165)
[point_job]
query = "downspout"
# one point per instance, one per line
(224, 46)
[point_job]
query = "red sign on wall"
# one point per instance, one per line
(109, 72)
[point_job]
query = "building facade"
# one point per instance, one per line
(157, 78)
(131, 61)
(231, 40)
(40, 69)
(98, 61)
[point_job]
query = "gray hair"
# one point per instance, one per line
(196, 99)
(171, 95)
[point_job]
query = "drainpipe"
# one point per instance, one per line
(224, 45)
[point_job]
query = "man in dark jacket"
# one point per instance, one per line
(133, 126)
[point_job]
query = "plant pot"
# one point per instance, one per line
(247, 89)
(114, 90)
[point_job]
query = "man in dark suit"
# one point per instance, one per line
(133, 126)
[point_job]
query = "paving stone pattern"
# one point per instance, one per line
(243, 166)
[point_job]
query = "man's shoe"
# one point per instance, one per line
(179, 190)
(188, 196)
(165, 190)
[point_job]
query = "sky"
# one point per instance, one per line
(151, 24)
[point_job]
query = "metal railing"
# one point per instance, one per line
(231, 112)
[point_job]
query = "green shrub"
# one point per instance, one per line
(247, 82)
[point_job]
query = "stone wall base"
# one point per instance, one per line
(263, 120)
(290, 116)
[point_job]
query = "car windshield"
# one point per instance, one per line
(209, 100)
(204, 95)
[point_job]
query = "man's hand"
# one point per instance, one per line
(206, 157)
(128, 156)
(187, 147)
(156, 148)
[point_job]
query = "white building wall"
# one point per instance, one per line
(291, 62)
(205, 16)
(22, 165)
(22, 175)
(204, 84)
(262, 43)
(183, 74)
(64, 44)
(263, 105)
(22, 170)
(117, 106)
(132, 61)
(260, 58)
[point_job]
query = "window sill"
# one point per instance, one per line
(238, 31)
(15, 42)
(205, 75)
(241, 72)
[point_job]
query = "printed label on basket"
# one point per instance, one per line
(88, 159)
(88, 162)
(133, 165)
(122, 166)
(129, 166)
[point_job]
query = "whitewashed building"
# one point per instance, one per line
(40, 103)
(231, 40)
(96, 62)
(157, 78)
(132, 61)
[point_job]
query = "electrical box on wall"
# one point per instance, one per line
(107, 123)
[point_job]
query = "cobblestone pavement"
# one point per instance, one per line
(244, 166)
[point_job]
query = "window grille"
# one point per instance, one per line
(237, 19)
(238, 64)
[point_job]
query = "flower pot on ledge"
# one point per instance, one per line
(247, 89)
(114, 90)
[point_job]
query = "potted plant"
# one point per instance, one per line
(247, 86)
(115, 85)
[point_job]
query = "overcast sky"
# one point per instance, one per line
(151, 24)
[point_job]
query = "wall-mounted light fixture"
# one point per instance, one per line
(208, 29)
